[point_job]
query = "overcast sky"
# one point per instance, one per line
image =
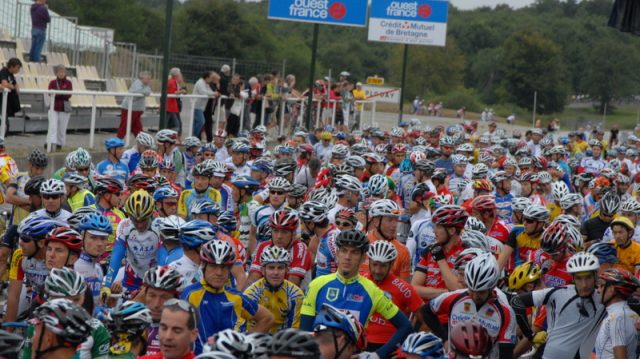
(471, 4)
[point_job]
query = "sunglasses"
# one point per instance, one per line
(49, 196)
(530, 220)
(183, 305)
(26, 239)
(277, 193)
(343, 224)
(171, 204)
(85, 169)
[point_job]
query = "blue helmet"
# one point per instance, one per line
(128, 317)
(96, 224)
(37, 227)
(424, 345)
(245, 182)
(196, 233)
(205, 207)
(227, 222)
(164, 192)
(262, 166)
(208, 147)
(113, 142)
(341, 136)
(605, 252)
(331, 318)
(263, 229)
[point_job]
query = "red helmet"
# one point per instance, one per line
(469, 338)
(306, 147)
(67, 236)
(399, 148)
(347, 213)
(482, 185)
(221, 133)
(484, 203)
(107, 185)
(623, 282)
(285, 218)
(450, 216)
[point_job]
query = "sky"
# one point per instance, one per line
(471, 4)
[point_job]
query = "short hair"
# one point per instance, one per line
(174, 71)
(315, 164)
(253, 80)
(193, 314)
(225, 68)
(206, 74)
(144, 74)
(58, 68)
(13, 62)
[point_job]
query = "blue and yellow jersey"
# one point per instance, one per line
(189, 196)
(358, 295)
(284, 303)
(218, 309)
(82, 198)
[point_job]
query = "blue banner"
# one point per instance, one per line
(414, 10)
(412, 22)
(333, 12)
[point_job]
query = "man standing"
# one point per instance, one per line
(39, 20)
(173, 104)
(8, 81)
(139, 86)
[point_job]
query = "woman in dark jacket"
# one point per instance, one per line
(61, 112)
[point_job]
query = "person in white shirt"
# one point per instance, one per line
(202, 88)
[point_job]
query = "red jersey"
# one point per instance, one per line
(300, 259)
(429, 267)
(557, 275)
(403, 295)
(189, 355)
(499, 231)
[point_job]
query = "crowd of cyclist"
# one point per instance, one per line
(419, 242)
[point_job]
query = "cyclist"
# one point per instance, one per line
(211, 297)
(504, 198)
(52, 192)
(518, 205)
(61, 326)
(169, 228)
(571, 204)
(630, 209)
(78, 161)
(295, 195)
(382, 255)
(481, 302)
(484, 208)
(618, 333)
(168, 149)
(217, 176)
(94, 230)
(178, 331)
(192, 235)
(113, 166)
(280, 296)
(284, 224)
(606, 253)
(421, 234)
(243, 195)
(558, 241)
(131, 157)
(628, 250)
(323, 234)
(520, 244)
(239, 159)
(593, 229)
(136, 242)
(293, 344)
(348, 189)
(166, 199)
(62, 247)
(277, 200)
(201, 190)
(423, 345)
(77, 195)
(127, 324)
(190, 154)
(108, 193)
(339, 334)
(574, 311)
(347, 290)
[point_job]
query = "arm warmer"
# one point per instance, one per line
(520, 303)
(431, 319)
(403, 329)
(306, 322)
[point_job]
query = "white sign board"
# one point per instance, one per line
(412, 22)
(382, 94)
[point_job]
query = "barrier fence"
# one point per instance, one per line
(298, 119)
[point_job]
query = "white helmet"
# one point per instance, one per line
(339, 151)
(384, 207)
(519, 204)
(53, 187)
(558, 190)
(192, 141)
(583, 262)
(482, 272)
(537, 212)
(273, 254)
(631, 205)
(169, 136)
(348, 182)
(459, 160)
(324, 195)
(479, 170)
(145, 139)
(568, 219)
(313, 211)
(382, 251)
(609, 204)
(474, 224)
(279, 183)
(474, 239)
(378, 186)
(544, 177)
(569, 200)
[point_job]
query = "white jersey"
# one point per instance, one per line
(222, 154)
(92, 273)
(62, 216)
(420, 237)
(189, 271)
(618, 330)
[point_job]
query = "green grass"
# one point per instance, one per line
(625, 116)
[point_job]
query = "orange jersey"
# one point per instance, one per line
(402, 265)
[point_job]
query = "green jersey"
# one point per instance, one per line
(95, 347)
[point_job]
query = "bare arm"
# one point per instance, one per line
(14, 199)
(620, 352)
(450, 279)
(251, 246)
(263, 319)
(503, 259)
(425, 292)
(241, 278)
(15, 287)
(295, 280)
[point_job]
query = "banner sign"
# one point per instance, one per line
(332, 12)
(416, 22)
(382, 94)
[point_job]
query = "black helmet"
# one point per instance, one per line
(353, 238)
(32, 187)
(297, 190)
(295, 343)
(284, 167)
(10, 344)
(66, 319)
(38, 158)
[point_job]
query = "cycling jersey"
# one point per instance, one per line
(618, 330)
(593, 165)
(166, 256)
(402, 264)
(557, 275)
(499, 231)
(131, 157)
(405, 188)
(189, 196)
(92, 273)
(62, 216)
(226, 198)
(554, 211)
(403, 295)
(139, 250)
(218, 309)
(300, 265)
(430, 267)
(153, 339)
(243, 170)
(115, 216)
(629, 257)
(326, 255)
(257, 212)
(522, 245)
(82, 198)
(19, 213)
(590, 205)
(117, 170)
(244, 220)
(358, 295)
(32, 273)
(189, 163)
(95, 347)
(454, 181)
(445, 163)
(504, 210)
(421, 236)
(496, 315)
(284, 303)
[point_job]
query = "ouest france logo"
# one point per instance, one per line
(318, 9)
(408, 9)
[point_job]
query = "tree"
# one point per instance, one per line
(613, 72)
(533, 63)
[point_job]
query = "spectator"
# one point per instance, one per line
(225, 79)
(210, 109)
(8, 81)
(236, 94)
(201, 88)
(39, 20)
(358, 95)
(59, 117)
(613, 140)
(174, 105)
(139, 86)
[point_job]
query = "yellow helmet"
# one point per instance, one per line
(525, 273)
(139, 205)
(326, 135)
(624, 221)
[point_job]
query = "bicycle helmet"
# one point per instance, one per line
(356, 162)
(558, 190)
(74, 179)
(353, 238)
(482, 273)
(427, 166)
(67, 320)
(232, 342)
(474, 224)
(525, 273)
(474, 239)
(36, 227)
(275, 255)
(623, 282)
(149, 160)
(378, 185)
(284, 167)
(330, 318)
(450, 216)
(139, 205)
(245, 182)
(382, 251)
(465, 256)
(145, 139)
(95, 223)
(484, 203)
(555, 238)
(294, 343)
(33, 185)
(568, 219)
(259, 343)
(470, 338)
(141, 182)
(279, 183)
(207, 147)
(631, 205)
(205, 207)
(64, 282)
(372, 158)
(609, 204)
(459, 160)
(384, 208)
(569, 200)
(38, 158)
(606, 252)
(227, 221)
(67, 236)
(161, 181)
(169, 227)
(195, 233)
(107, 185)
(482, 185)
(191, 142)
(167, 164)
(76, 217)
(216, 355)
(447, 141)
(113, 142)
(10, 344)
(164, 192)
(297, 190)
(545, 177)
(81, 158)
(313, 211)
(499, 177)
(129, 317)
(582, 262)
(339, 151)
(168, 136)
(324, 195)
(53, 187)
(537, 212)
(217, 252)
(341, 169)
(285, 219)
(348, 183)
(163, 278)
(479, 170)
(424, 345)
(262, 165)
